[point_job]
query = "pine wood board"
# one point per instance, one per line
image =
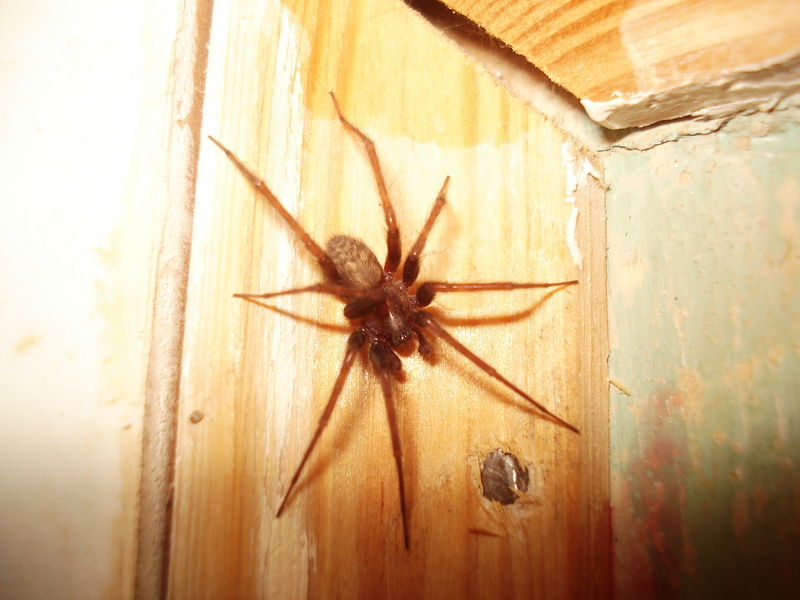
(259, 379)
(636, 63)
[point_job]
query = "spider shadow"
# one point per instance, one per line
(503, 319)
(322, 458)
(477, 376)
(300, 318)
(347, 419)
(491, 387)
(348, 415)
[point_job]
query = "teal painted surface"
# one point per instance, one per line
(704, 309)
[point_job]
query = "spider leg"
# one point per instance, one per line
(393, 246)
(386, 362)
(320, 288)
(322, 258)
(429, 289)
(411, 266)
(424, 347)
(424, 319)
(354, 344)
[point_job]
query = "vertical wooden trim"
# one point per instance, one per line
(596, 558)
(179, 156)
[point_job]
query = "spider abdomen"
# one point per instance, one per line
(355, 261)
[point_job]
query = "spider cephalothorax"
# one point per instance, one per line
(385, 304)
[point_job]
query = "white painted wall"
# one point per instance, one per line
(81, 112)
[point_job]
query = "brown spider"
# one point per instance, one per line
(385, 309)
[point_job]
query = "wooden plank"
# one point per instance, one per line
(633, 64)
(90, 191)
(255, 381)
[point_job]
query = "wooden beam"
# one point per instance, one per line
(255, 381)
(636, 63)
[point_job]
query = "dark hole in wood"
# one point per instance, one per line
(501, 475)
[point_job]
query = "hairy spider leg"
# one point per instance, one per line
(424, 319)
(411, 266)
(429, 289)
(410, 272)
(354, 343)
(386, 363)
(393, 246)
(322, 257)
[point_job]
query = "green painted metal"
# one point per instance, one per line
(704, 310)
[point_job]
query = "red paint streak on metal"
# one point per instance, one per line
(632, 565)
(741, 515)
(649, 523)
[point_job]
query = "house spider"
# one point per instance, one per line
(385, 305)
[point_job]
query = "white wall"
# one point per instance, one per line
(81, 109)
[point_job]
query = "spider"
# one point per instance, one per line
(384, 304)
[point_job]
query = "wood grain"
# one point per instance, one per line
(636, 63)
(261, 378)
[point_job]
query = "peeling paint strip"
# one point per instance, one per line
(621, 387)
(572, 187)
